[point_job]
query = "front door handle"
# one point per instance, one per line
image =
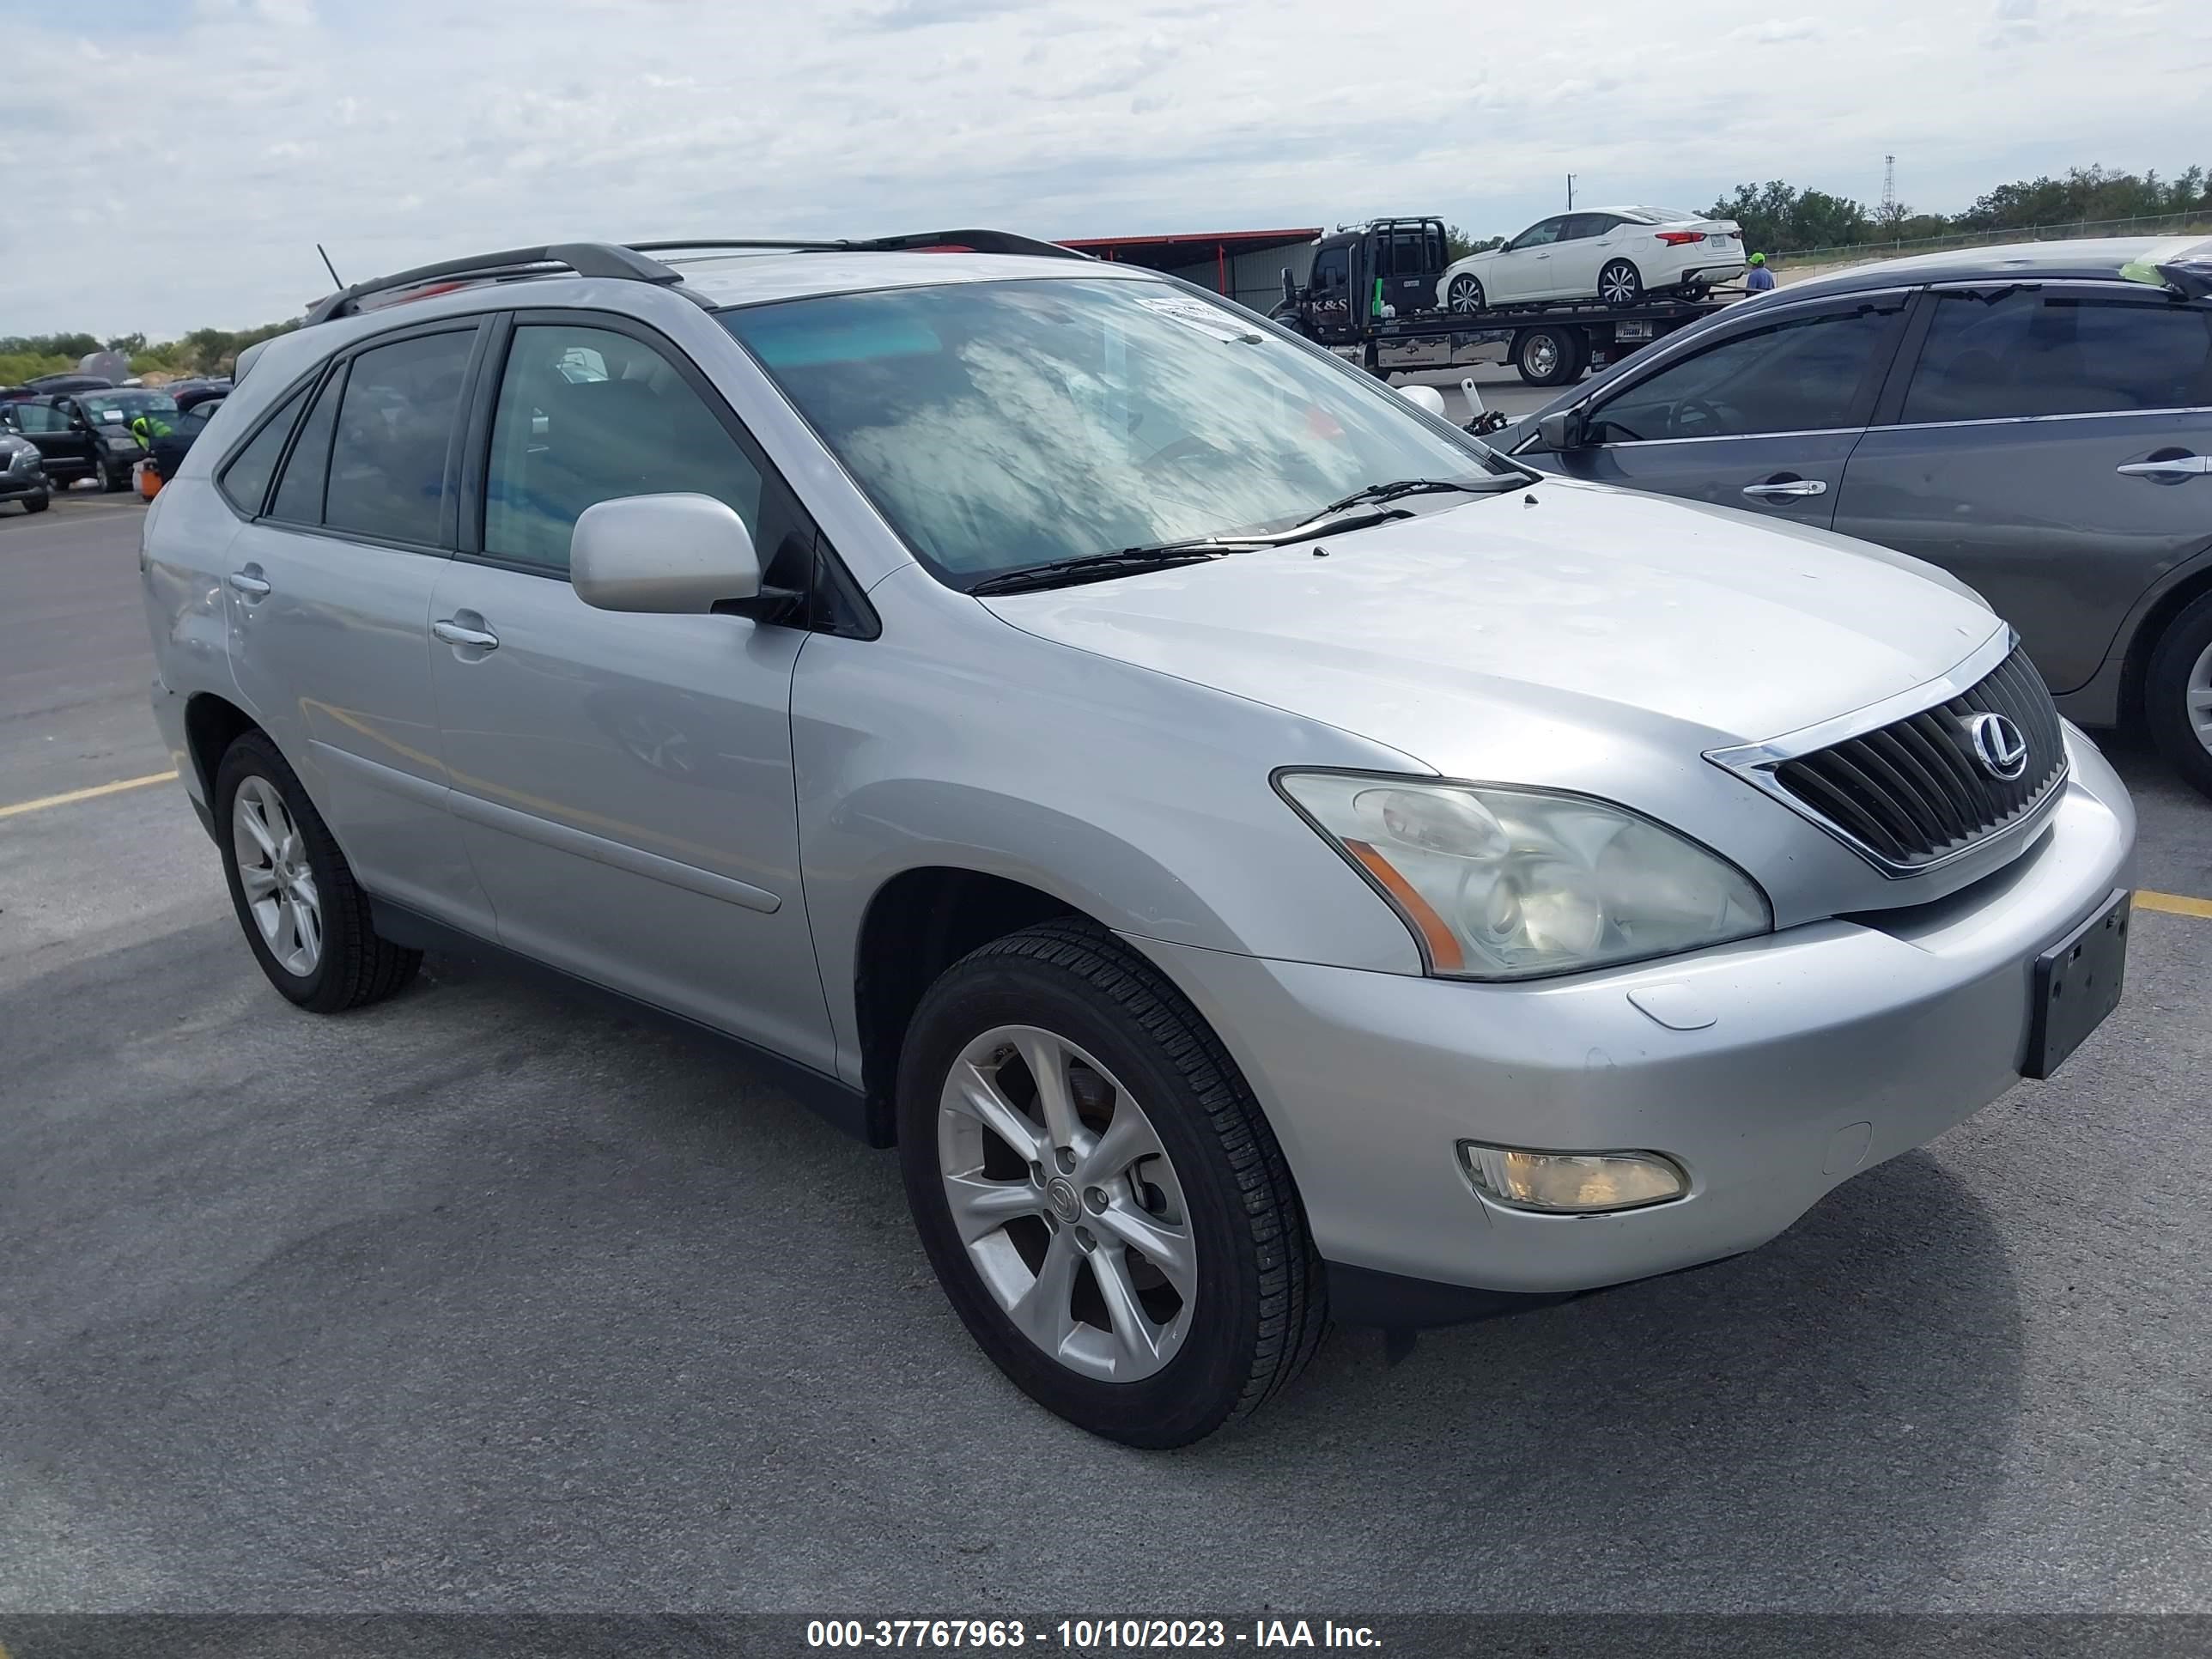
(2180, 467)
(455, 633)
(246, 583)
(1784, 488)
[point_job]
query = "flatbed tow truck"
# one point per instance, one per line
(1373, 299)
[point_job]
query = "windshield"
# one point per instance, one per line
(1000, 426)
(124, 405)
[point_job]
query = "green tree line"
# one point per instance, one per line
(1778, 218)
(202, 351)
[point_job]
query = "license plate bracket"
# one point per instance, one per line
(2077, 983)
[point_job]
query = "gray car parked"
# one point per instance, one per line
(2036, 419)
(1256, 851)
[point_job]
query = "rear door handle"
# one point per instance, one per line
(455, 633)
(1784, 488)
(2181, 466)
(246, 582)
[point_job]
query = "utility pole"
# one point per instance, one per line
(1570, 192)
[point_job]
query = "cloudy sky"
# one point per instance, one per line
(171, 163)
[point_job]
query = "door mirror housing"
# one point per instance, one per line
(1424, 397)
(677, 555)
(1562, 429)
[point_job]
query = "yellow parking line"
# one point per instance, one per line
(2177, 904)
(93, 793)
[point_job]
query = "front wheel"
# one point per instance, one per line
(305, 917)
(1465, 294)
(1620, 284)
(2177, 694)
(113, 481)
(1098, 1191)
(36, 503)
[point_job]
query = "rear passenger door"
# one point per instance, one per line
(1761, 418)
(624, 781)
(350, 490)
(2026, 454)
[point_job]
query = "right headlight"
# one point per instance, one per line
(1504, 883)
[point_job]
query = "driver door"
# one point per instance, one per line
(1762, 419)
(1523, 268)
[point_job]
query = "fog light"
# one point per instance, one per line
(1572, 1183)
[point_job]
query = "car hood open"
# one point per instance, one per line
(1560, 609)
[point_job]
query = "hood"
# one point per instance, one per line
(1457, 636)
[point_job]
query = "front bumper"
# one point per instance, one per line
(17, 486)
(1832, 1047)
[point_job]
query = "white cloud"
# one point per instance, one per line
(413, 129)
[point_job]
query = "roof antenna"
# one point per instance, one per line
(337, 281)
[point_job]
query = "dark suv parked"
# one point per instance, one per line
(2035, 419)
(86, 434)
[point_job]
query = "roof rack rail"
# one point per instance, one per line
(973, 241)
(632, 262)
(584, 258)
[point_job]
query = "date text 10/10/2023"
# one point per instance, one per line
(1087, 1634)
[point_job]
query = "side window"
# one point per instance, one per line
(40, 417)
(246, 480)
(1584, 226)
(1542, 233)
(2009, 353)
(299, 496)
(1802, 376)
(1332, 270)
(560, 444)
(395, 423)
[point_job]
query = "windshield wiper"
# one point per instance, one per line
(1157, 556)
(1390, 492)
(1099, 567)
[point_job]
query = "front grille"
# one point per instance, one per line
(1914, 792)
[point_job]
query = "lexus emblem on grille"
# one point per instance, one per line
(1999, 749)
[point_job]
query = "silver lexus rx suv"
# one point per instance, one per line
(1258, 853)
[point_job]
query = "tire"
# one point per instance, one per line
(1216, 1181)
(1552, 355)
(37, 503)
(1465, 294)
(112, 482)
(1620, 284)
(350, 965)
(2180, 671)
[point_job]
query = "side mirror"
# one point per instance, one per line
(665, 555)
(1561, 430)
(1426, 396)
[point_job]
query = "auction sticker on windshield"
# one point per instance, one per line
(1196, 313)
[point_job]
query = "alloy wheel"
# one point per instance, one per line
(1067, 1203)
(278, 882)
(1618, 283)
(1465, 294)
(2196, 698)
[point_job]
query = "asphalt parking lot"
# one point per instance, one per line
(481, 1299)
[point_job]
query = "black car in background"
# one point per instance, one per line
(2036, 419)
(76, 443)
(190, 394)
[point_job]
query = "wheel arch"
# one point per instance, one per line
(2149, 627)
(916, 924)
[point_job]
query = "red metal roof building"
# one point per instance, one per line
(1246, 265)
